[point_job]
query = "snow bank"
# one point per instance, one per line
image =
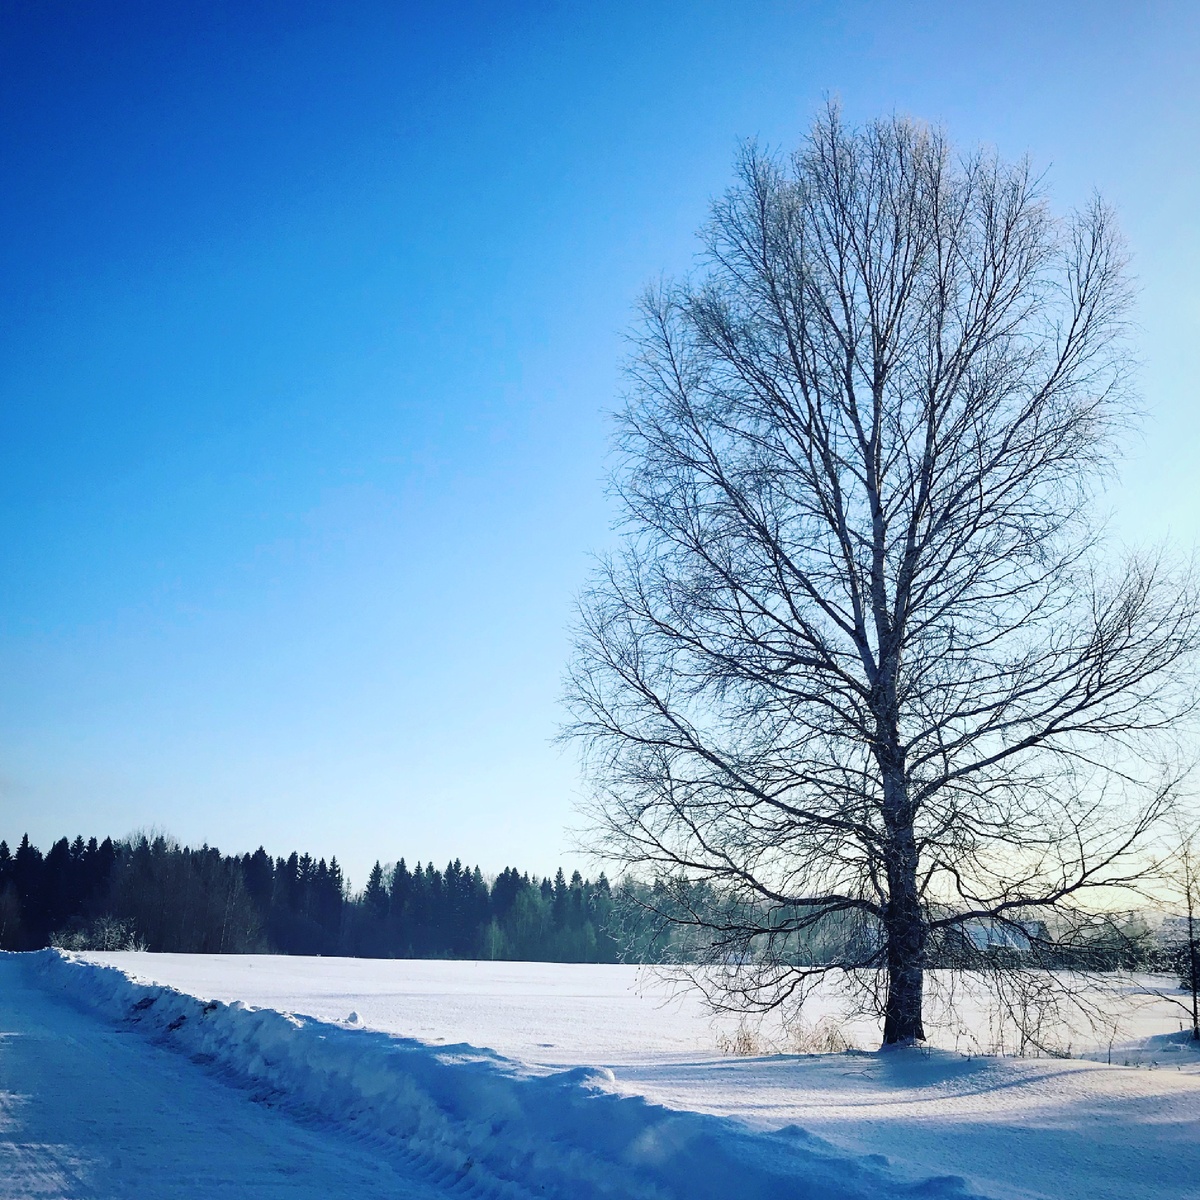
(474, 1119)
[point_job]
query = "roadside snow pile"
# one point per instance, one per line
(482, 1121)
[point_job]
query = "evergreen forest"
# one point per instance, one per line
(147, 892)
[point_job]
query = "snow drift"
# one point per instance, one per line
(478, 1122)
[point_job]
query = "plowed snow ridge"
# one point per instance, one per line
(483, 1124)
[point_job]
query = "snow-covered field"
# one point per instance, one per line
(517, 1079)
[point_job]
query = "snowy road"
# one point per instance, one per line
(89, 1110)
(1017, 1129)
(94, 1103)
(463, 1118)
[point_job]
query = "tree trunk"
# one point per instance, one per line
(904, 923)
(905, 928)
(1193, 964)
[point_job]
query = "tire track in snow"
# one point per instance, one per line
(89, 1110)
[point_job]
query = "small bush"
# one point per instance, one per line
(825, 1037)
(744, 1042)
(104, 933)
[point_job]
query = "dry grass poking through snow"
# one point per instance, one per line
(827, 1035)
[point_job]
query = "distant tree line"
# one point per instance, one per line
(149, 892)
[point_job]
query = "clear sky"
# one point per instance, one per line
(310, 317)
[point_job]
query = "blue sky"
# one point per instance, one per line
(312, 313)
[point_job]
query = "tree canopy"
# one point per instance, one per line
(864, 656)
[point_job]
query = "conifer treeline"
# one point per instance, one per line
(149, 892)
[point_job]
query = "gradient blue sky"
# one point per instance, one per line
(311, 314)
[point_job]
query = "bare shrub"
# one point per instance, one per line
(104, 933)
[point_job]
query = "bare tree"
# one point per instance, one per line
(859, 680)
(1182, 934)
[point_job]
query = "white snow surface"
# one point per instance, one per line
(90, 1108)
(598, 1083)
